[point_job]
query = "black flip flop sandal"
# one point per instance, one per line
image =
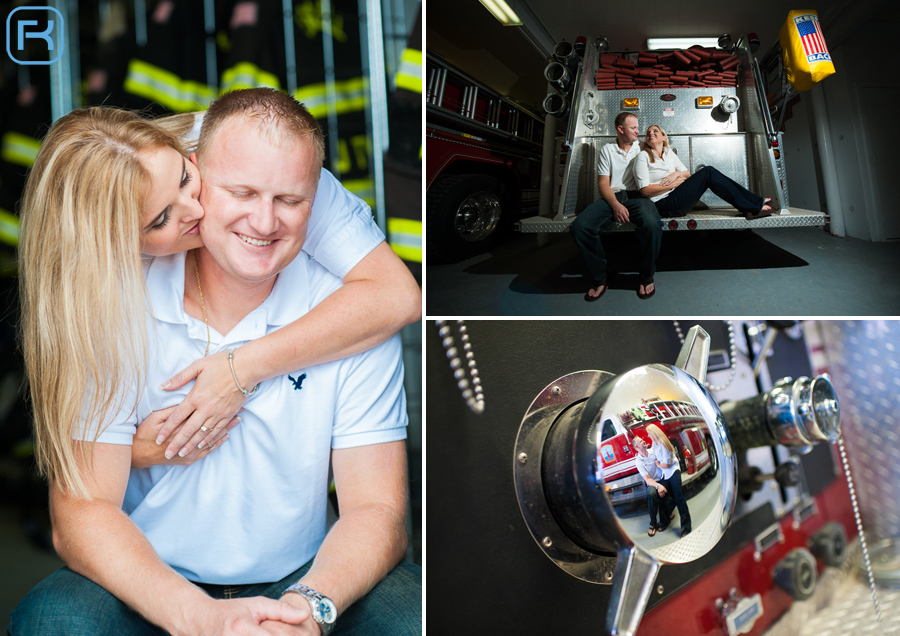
(646, 296)
(594, 285)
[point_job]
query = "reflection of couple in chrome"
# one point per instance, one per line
(658, 465)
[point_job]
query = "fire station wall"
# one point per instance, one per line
(856, 98)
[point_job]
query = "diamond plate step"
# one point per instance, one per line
(712, 219)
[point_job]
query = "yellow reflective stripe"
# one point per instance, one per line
(9, 228)
(409, 75)
(407, 227)
(410, 254)
(166, 88)
(20, 149)
(248, 75)
(350, 96)
(405, 238)
(363, 188)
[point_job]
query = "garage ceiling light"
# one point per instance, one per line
(680, 43)
(500, 10)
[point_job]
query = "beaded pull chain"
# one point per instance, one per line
(859, 527)
(467, 378)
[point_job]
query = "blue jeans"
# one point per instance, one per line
(67, 604)
(673, 485)
(682, 199)
(597, 217)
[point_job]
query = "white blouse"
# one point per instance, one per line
(646, 173)
(665, 456)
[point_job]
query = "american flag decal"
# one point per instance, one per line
(811, 36)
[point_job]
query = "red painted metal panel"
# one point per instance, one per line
(692, 611)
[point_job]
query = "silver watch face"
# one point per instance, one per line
(325, 611)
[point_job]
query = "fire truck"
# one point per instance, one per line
(711, 102)
(482, 164)
(681, 422)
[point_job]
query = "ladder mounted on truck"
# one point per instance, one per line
(482, 169)
(723, 123)
(464, 102)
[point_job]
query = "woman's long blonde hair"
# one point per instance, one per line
(82, 283)
(659, 437)
(647, 147)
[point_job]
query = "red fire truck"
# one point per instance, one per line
(482, 163)
(681, 422)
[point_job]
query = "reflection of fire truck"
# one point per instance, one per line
(482, 164)
(683, 425)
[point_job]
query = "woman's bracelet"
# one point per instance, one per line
(243, 391)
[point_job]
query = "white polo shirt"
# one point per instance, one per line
(647, 467)
(254, 510)
(617, 165)
(646, 173)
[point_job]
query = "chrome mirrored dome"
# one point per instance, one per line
(642, 410)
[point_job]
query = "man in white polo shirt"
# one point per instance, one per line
(620, 202)
(197, 549)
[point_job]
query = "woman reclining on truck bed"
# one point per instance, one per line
(661, 176)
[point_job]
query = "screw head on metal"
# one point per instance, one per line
(556, 390)
(523, 457)
(547, 542)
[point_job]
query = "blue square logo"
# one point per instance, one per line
(34, 35)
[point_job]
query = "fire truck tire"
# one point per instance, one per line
(464, 215)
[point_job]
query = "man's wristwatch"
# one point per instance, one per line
(323, 610)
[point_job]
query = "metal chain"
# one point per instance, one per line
(202, 304)
(731, 353)
(470, 389)
(859, 526)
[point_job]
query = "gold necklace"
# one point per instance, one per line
(202, 304)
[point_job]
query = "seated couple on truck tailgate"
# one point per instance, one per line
(620, 202)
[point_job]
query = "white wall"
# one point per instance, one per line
(861, 100)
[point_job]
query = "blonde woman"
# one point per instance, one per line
(667, 461)
(107, 186)
(661, 176)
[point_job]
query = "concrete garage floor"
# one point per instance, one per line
(800, 271)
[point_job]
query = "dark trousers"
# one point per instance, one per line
(659, 506)
(673, 485)
(682, 199)
(597, 217)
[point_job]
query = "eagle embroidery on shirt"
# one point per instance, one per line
(297, 382)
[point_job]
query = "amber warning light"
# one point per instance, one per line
(704, 102)
(631, 102)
